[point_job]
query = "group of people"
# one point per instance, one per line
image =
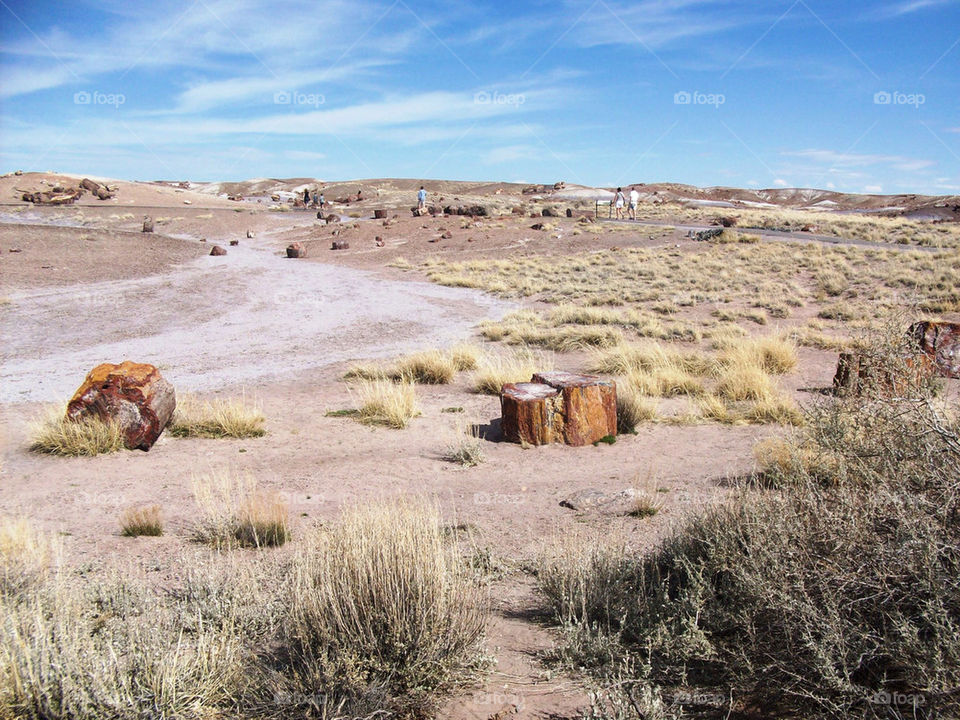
(619, 201)
(318, 199)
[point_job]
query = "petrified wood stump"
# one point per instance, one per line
(940, 341)
(528, 411)
(559, 407)
(589, 410)
(135, 395)
(857, 372)
(148, 225)
(379, 214)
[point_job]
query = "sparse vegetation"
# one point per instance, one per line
(494, 371)
(386, 403)
(26, 556)
(217, 418)
(54, 434)
(466, 449)
(234, 513)
(633, 409)
(137, 521)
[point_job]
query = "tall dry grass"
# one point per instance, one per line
(217, 418)
(382, 402)
(54, 434)
(233, 512)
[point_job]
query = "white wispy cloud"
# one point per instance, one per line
(911, 6)
(853, 160)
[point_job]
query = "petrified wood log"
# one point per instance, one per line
(940, 341)
(528, 412)
(296, 250)
(589, 409)
(379, 214)
(88, 184)
(135, 395)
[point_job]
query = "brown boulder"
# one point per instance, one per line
(589, 409)
(296, 250)
(134, 395)
(940, 341)
(217, 250)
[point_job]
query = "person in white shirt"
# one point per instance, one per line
(634, 199)
(618, 203)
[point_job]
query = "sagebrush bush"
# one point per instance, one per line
(382, 612)
(234, 512)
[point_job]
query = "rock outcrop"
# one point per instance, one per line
(135, 395)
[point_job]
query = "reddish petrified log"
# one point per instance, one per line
(528, 412)
(589, 410)
(858, 372)
(64, 197)
(940, 341)
(296, 250)
(135, 395)
(88, 184)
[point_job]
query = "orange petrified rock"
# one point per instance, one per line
(559, 407)
(940, 341)
(134, 395)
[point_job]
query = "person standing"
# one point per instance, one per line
(306, 197)
(618, 203)
(323, 202)
(634, 200)
(422, 200)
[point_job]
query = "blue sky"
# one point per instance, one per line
(855, 96)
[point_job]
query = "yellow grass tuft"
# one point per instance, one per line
(218, 418)
(233, 512)
(633, 409)
(430, 367)
(386, 403)
(25, 555)
(494, 371)
(739, 381)
(465, 356)
(53, 434)
(137, 521)
(774, 354)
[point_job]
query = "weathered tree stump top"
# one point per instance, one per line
(560, 379)
(529, 391)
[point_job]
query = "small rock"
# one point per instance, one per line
(234, 242)
(249, 234)
(296, 250)
(447, 235)
(148, 225)
(217, 250)
(596, 499)
(332, 218)
(379, 241)
(14, 250)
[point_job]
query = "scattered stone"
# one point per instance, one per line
(379, 241)
(148, 225)
(218, 250)
(18, 172)
(102, 193)
(296, 250)
(14, 249)
(940, 341)
(728, 221)
(203, 239)
(550, 212)
(135, 395)
(332, 218)
(707, 235)
(275, 198)
(537, 226)
(379, 214)
(339, 245)
(569, 212)
(234, 243)
(584, 219)
(558, 185)
(447, 235)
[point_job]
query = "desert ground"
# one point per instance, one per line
(82, 285)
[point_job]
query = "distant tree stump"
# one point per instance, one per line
(135, 395)
(559, 407)
(379, 214)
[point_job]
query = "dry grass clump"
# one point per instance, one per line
(737, 381)
(233, 513)
(774, 354)
(54, 434)
(465, 356)
(466, 449)
(495, 371)
(647, 498)
(383, 613)
(633, 409)
(430, 367)
(217, 418)
(26, 555)
(382, 402)
(137, 521)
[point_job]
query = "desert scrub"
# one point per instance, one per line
(383, 402)
(54, 434)
(26, 555)
(233, 512)
(806, 600)
(217, 418)
(382, 614)
(429, 367)
(137, 521)
(466, 449)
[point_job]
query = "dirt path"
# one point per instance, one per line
(215, 322)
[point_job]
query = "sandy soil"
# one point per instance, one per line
(88, 287)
